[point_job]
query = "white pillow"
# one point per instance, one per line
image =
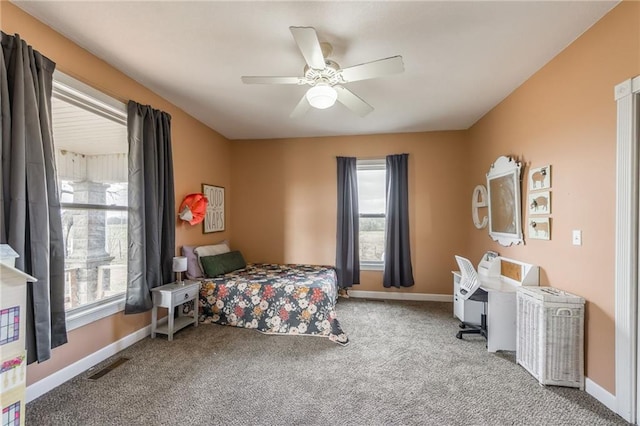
(211, 250)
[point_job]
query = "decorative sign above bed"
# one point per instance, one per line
(214, 217)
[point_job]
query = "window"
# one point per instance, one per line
(9, 325)
(11, 414)
(372, 206)
(90, 136)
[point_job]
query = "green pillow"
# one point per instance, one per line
(221, 264)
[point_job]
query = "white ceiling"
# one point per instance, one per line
(460, 58)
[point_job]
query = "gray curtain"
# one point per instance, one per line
(397, 254)
(30, 220)
(152, 213)
(347, 248)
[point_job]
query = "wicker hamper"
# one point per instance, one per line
(550, 335)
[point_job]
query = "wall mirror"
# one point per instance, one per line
(503, 184)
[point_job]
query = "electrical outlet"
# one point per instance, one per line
(577, 237)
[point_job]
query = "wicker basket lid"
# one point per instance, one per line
(550, 294)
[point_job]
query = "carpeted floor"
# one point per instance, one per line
(403, 366)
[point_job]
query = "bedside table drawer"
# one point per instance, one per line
(184, 295)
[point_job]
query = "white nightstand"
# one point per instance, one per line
(169, 296)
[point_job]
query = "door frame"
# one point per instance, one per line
(627, 96)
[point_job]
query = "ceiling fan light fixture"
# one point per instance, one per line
(322, 96)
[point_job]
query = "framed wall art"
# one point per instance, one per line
(214, 217)
(539, 202)
(540, 228)
(540, 178)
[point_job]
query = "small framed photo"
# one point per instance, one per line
(539, 228)
(540, 202)
(214, 216)
(540, 178)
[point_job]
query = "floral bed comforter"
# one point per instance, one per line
(282, 299)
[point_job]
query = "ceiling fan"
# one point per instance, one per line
(326, 77)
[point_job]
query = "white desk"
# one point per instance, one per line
(501, 305)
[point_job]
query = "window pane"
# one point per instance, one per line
(372, 239)
(371, 191)
(95, 255)
(91, 156)
(89, 192)
(92, 166)
(371, 201)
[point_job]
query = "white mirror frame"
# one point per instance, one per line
(505, 166)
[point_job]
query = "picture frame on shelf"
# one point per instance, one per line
(214, 218)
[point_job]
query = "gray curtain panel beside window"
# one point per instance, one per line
(397, 255)
(347, 247)
(30, 219)
(152, 213)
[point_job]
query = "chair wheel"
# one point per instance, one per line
(459, 335)
(462, 325)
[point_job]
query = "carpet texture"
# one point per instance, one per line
(403, 366)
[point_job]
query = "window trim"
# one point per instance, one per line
(68, 89)
(89, 313)
(371, 164)
(75, 92)
(105, 207)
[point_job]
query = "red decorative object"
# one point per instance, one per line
(193, 208)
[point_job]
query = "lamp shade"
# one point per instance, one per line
(322, 96)
(179, 264)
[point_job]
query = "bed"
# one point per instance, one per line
(275, 299)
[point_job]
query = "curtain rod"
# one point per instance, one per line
(95, 86)
(374, 157)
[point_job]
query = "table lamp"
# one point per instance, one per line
(179, 266)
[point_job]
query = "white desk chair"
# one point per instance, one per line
(470, 289)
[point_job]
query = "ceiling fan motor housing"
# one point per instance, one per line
(329, 75)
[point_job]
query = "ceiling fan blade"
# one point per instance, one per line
(302, 107)
(393, 65)
(307, 40)
(273, 80)
(352, 101)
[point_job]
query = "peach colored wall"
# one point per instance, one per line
(200, 155)
(565, 115)
(285, 191)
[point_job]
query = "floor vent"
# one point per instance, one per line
(115, 364)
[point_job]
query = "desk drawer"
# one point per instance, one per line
(181, 296)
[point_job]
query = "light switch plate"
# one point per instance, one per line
(577, 237)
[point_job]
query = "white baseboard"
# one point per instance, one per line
(54, 380)
(601, 394)
(389, 295)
